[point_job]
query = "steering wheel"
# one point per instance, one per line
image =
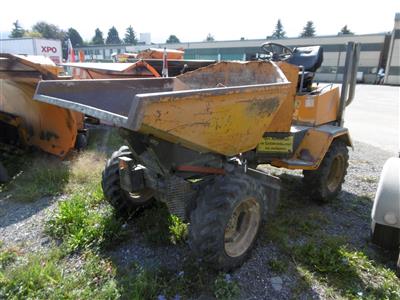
(276, 52)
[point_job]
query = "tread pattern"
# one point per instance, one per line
(315, 181)
(215, 205)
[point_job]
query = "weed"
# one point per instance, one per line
(41, 177)
(278, 266)
(225, 287)
(303, 283)
(145, 283)
(85, 175)
(47, 276)
(178, 229)
(350, 272)
(161, 228)
(83, 220)
(7, 257)
(81, 223)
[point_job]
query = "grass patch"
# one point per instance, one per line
(194, 280)
(159, 227)
(85, 223)
(48, 276)
(347, 272)
(225, 287)
(152, 284)
(278, 266)
(84, 220)
(55, 275)
(7, 257)
(39, 177)
(327, 261)
(80, 222)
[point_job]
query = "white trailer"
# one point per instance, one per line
(33, 46)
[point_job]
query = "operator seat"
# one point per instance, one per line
(310, 58)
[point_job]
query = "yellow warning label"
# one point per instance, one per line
(274, 144)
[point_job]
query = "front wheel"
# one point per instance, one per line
(225, 223)
(124, 202)
(325, 183)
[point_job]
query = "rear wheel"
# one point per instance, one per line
(225, 223)
(81, 141)
(123, 201)
(325, 183)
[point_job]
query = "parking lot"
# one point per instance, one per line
(373, 117)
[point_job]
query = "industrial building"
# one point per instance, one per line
(380, 50)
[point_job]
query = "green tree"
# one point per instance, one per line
(278, 33)
(98, 37)
(308, 30)
(49, 31)
(17, 31)
(173, 39)
(75, 37)
(32, 34)
(210, 38)
(345, 30)
(113, 37)
(130, 36)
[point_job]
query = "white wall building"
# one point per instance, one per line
(145, 38)
(392, 75)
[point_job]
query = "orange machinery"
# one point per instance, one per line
(50, 128)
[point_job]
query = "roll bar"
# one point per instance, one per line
(349, 79)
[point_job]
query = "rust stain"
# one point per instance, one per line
(263, 106)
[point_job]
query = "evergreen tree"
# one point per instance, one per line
(98, 37)
(345, 30)
(279, 33)
(308, 30)
(210, 38)
(173, 39)
(32, 34)
(113, 37)
(75, 37)
(49, 31)
(17, 31)
(130, 36)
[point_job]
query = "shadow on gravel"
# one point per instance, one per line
(14, 212)
(36, 179)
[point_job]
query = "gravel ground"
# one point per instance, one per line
(22, 225)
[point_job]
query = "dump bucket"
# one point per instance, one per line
(223, 108)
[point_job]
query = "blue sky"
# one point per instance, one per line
(193, 20)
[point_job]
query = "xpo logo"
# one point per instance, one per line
(47, 49)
